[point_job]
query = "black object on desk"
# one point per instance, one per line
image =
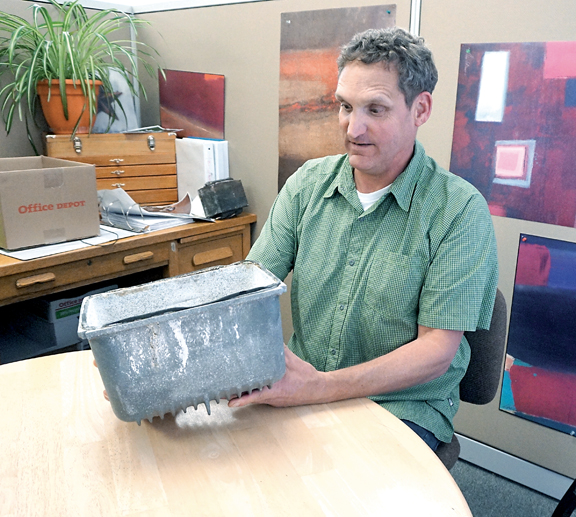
(223, 198)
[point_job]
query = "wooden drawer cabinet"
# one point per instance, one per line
(48, 279)
(174, 251)
(134, 171)
(132, 183)
(144, 165)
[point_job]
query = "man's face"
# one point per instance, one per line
(379, 128)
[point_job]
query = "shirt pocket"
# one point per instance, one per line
(394, 284)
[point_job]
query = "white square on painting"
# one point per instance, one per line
(493, 87)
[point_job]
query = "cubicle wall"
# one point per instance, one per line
(16, 143)
(241, 41)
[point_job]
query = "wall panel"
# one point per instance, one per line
(241, 41)
(446, 24)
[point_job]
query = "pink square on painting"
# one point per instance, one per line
(560, 61)
(511, 161)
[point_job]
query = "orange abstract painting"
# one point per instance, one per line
(310, 44)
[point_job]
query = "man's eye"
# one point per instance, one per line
(345, 107)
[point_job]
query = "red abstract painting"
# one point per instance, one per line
(515, 128)
(192, 102)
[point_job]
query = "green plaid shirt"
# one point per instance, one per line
(425, 253)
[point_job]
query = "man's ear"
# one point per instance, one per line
(422, 108)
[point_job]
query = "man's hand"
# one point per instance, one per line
(301, 384)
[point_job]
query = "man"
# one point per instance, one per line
(393, 257)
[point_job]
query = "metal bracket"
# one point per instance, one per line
(151, 143)
(77, 145)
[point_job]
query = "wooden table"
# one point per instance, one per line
(177, 250)
(64, 453)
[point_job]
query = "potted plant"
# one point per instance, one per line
(67, 56)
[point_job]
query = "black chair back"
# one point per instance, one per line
(482, 379)
(480, 384)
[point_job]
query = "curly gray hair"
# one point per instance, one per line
(396, 48)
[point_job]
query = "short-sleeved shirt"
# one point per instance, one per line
(363, 281)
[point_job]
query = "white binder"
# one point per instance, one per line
(198, 161)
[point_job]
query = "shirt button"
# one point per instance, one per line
(341, 307)
(351, 262)
(333, 351)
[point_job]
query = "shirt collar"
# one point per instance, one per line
(343, 182)
(402, 187)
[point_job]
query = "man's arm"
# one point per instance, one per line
(420, 361)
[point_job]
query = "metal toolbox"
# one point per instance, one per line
(181, 341)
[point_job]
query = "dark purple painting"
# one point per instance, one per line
(539, 381)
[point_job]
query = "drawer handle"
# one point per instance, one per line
(117, 160)
(205, 257)
(118, 184)
(37, 279)
(118, 172)
(138, 257)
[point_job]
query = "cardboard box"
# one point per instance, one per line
(46, 200)
(52, 322)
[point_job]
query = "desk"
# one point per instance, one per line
(176, 250)
(64, 453)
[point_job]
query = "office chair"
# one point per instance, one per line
(481, 381)
(567, 504)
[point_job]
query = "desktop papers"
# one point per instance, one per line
(107, 235)
(119, 210)
(152, 129)
(121, 218)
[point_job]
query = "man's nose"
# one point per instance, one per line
(356, 125)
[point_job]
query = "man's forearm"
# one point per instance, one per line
(420, 361)
(417, 362)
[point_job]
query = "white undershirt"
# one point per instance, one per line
(369, 199)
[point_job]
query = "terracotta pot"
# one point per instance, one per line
(54, 113)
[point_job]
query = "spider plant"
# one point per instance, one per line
(63, 42)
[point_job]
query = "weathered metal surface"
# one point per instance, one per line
(186, 340)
